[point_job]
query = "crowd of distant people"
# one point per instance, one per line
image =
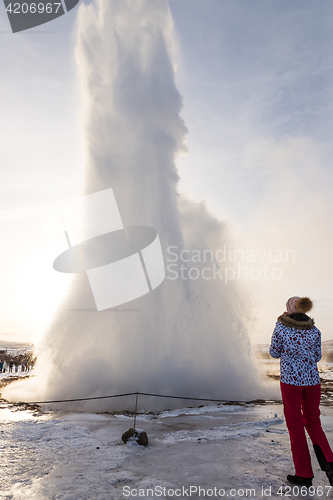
(18, 363)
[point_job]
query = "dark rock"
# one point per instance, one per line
(142, 438)
(135, 435)
(128, 434)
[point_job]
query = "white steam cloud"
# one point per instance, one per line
(187, 337)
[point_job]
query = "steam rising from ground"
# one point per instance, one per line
(187, 337)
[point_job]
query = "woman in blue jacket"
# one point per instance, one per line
(297, 341)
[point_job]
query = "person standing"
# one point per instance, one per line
(297, 341)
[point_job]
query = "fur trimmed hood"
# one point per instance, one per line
(305, 323)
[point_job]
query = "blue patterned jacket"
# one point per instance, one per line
(298, 343)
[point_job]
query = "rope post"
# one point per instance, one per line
(136, 408)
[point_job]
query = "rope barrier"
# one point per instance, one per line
(137, 394)
(126, 394)
(185, 397)
(71, 400)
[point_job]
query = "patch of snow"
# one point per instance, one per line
(232, 431)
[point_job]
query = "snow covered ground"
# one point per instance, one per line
(229, 451)
(236, 449)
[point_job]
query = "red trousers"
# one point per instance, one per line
(301, 410)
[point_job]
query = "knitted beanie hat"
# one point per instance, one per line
(298, 304)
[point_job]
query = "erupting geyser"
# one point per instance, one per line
(186, 337)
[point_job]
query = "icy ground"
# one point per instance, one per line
(241, 450)
(78, 456)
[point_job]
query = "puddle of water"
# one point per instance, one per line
(7, 415)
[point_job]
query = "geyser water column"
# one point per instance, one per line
(187, 336)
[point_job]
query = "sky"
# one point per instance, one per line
(256, 79)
